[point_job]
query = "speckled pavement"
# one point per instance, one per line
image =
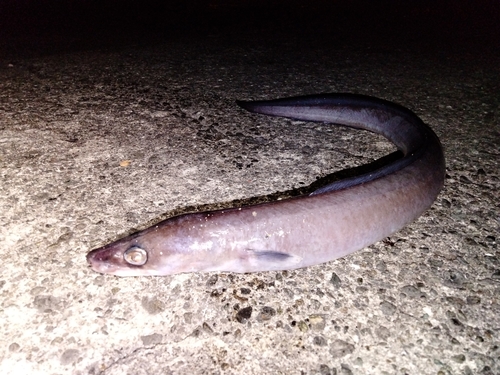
(97, 143)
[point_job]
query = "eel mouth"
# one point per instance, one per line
(107, 259)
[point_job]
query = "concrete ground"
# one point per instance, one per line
(99, 139)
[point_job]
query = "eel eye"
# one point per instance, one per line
(135, 256)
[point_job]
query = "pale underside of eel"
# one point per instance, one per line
(331, 222)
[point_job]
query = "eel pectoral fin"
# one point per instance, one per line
(277, 260)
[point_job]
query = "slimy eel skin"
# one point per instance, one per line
(331, 222)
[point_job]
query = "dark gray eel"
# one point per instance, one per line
(333, 221)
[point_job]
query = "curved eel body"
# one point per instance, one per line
(333, 221)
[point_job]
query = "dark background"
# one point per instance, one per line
(49, 26)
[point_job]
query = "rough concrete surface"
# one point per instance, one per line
(99, 142)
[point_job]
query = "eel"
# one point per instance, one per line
(331, 222)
